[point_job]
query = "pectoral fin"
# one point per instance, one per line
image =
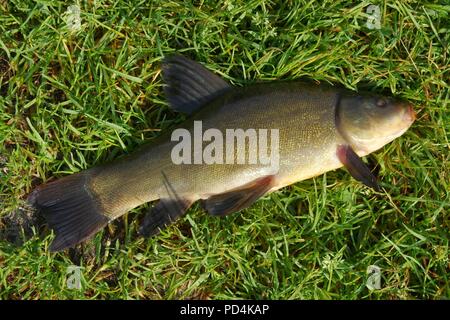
(356, 167)
(238, 199)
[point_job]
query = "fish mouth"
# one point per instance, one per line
(410, 115)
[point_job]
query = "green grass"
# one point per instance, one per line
(69, 101)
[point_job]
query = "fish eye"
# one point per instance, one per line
(381, 103)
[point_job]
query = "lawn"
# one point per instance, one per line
(72, 98)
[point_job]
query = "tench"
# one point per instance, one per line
(307, 128)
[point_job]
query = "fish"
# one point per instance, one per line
(319, 127)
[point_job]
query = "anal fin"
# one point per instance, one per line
(238, 199)
(169, 208)
(163, 214)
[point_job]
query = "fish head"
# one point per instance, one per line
(369, 122)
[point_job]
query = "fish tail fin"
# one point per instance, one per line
(70, 208)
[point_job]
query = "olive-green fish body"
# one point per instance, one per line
(319, 128)
(303, 114)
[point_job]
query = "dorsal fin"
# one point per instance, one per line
(189, 85)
